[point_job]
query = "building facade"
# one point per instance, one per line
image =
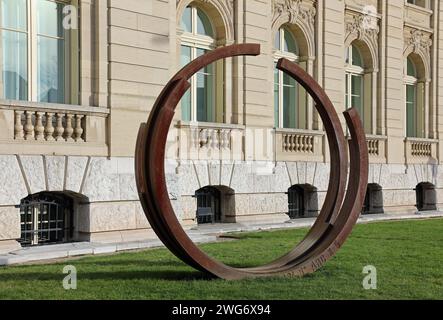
(78, 78)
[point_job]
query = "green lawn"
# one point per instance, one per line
(408, 256)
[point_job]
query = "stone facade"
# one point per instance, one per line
(129, 51)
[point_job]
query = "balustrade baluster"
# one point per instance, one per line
(78, 131)
(29, 127)
(59, 129)
(49, 128)
(39, 128)
(69, 130)
(19, 133)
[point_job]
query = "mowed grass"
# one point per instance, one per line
(408, 256)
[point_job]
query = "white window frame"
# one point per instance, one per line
(196, 41)
(411, 81)
(71, 72)
(279, 53)
(354, 70)
(426, 5)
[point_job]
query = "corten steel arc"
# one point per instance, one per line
(336, 218)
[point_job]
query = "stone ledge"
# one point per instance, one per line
(43, 106)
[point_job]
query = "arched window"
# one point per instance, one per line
(302, 201)
(46, 218)
(426, 197)
(373, 200)
(357, 93)
(414, 101)
(215, 205)
(204, 101)
(288, 111)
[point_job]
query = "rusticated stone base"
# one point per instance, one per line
(106, 200)
(9, 223)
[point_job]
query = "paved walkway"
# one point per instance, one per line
(201, 234)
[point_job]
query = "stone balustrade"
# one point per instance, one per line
(419, 149)
(38, 128)
(376, 148)
(48, 126)
(211, 138)
(207, 141)
(299, 144)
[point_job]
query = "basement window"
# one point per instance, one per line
(46, 218)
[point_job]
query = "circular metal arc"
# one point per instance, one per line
(336, 219)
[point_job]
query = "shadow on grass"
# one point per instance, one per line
(111, 275)
(141, 263)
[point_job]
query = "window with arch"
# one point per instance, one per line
(414, 101)
(289, 99)
(204, 101)
(46, 218)
(358, 86)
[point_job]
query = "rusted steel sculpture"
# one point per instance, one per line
(337, 216)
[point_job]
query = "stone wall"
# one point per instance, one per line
(109, 201)
(110, 210)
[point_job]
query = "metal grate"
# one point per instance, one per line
(46, 218)
(208, 205)
(296, 202)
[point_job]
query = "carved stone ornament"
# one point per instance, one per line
(418, 41)
(362, 27)
(294, 12)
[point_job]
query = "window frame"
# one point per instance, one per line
(354, 71)
(280, 53)
(425, 5)
(71, 55)
(412, 81)
(195, 42)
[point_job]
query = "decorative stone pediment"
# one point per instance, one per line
(418, 42)
(294, 11)
(363, 27)
(291, 8)
(298, 12)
